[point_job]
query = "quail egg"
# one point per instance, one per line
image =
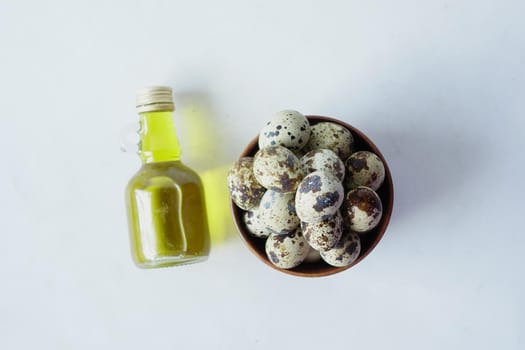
(277, 212)
(331, 136)
(318, 197)
(323, 235)
(277, 169)
(245, 191)
(252, 220)
(323, 159)
(362, 209)
(344, 252)
(288, 128)
(287, 251)
(365, 169)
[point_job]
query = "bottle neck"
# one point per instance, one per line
(158, 140)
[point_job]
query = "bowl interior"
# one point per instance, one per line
(368, 240)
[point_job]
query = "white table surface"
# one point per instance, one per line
(438, 85)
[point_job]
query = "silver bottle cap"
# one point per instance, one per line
(155, 98)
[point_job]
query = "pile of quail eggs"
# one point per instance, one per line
(307, 192)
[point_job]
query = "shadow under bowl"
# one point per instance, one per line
(369, 240)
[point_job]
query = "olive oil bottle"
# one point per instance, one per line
(165, 200)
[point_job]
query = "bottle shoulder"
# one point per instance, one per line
(172, 172)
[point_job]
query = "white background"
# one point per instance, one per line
(438, 85)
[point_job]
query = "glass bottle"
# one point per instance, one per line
(165, 200)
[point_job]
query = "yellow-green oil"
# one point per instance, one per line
(165, 200)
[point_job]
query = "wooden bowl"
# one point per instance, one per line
(368, 240)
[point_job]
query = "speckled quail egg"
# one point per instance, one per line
(245, 190)
(331, 136)
(323, 235)
(287, 251)
(288, 128)
(323, 159)
(362, 209)
(365, 169)
(345, 252)
(318, 196)
(277, 212)
(313, 256)
(277, 169)
(254, 225)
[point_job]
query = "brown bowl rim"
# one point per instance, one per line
(250, 150)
